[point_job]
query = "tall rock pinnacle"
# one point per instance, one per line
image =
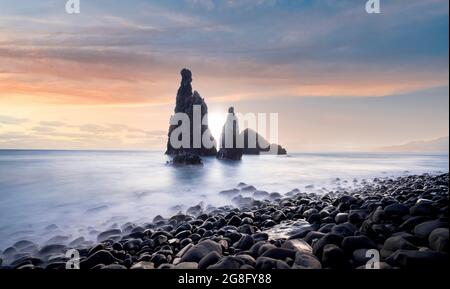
(229, 147)
(184, 94)
(185, 102)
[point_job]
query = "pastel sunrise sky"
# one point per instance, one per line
(340, 79)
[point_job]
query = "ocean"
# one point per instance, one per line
(69, 194)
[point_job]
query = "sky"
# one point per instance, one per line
(340, 79)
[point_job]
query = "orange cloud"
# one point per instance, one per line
(75, 76)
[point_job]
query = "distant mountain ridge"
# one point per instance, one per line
(436, 145)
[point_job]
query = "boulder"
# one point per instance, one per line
(327, 228)
(378, 215)
(344, 229)
(394, 244)
(419, 259)
(227, 263)
(143, 266)
(254, 250)
(341, 218)
(304, 260)
(246, 259)
(49, 250)
(411, 222)
(100, 257)
(114, 267)
(325, 240)
(279, 253)
(313, 236)
(197, 252)
(278, 216)
(298, 245)
(266, 263)
(186, 266)
(352, 243)
(210, 259)
(244, 243)
(424, 229)
(360, 257)
(334, 257)
(108, 234)
(425, 209)
(396, 210)
(438, 240)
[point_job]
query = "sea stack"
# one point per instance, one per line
(185, 102)
(229, 148)
(256, 144)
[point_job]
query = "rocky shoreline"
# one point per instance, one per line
(403, 220)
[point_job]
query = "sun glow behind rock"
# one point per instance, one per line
(216, 120)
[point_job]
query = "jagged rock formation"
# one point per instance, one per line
(262, 145)
(185, 101)
(229, 140)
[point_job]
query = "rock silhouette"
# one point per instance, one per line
(185, 102)
(229, 148)
(247, 142)
(255, 144)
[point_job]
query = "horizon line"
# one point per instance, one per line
(293, 152)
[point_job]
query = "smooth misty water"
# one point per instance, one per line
(81, 190)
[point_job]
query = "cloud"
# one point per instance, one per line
(11, 136)
(57, 134)
(208, 4)
(156, 133)
(118, 55)
(43, 129)
(123, 56)
(9, 120)
(95, 128)
(52, 123)
(233, 4)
